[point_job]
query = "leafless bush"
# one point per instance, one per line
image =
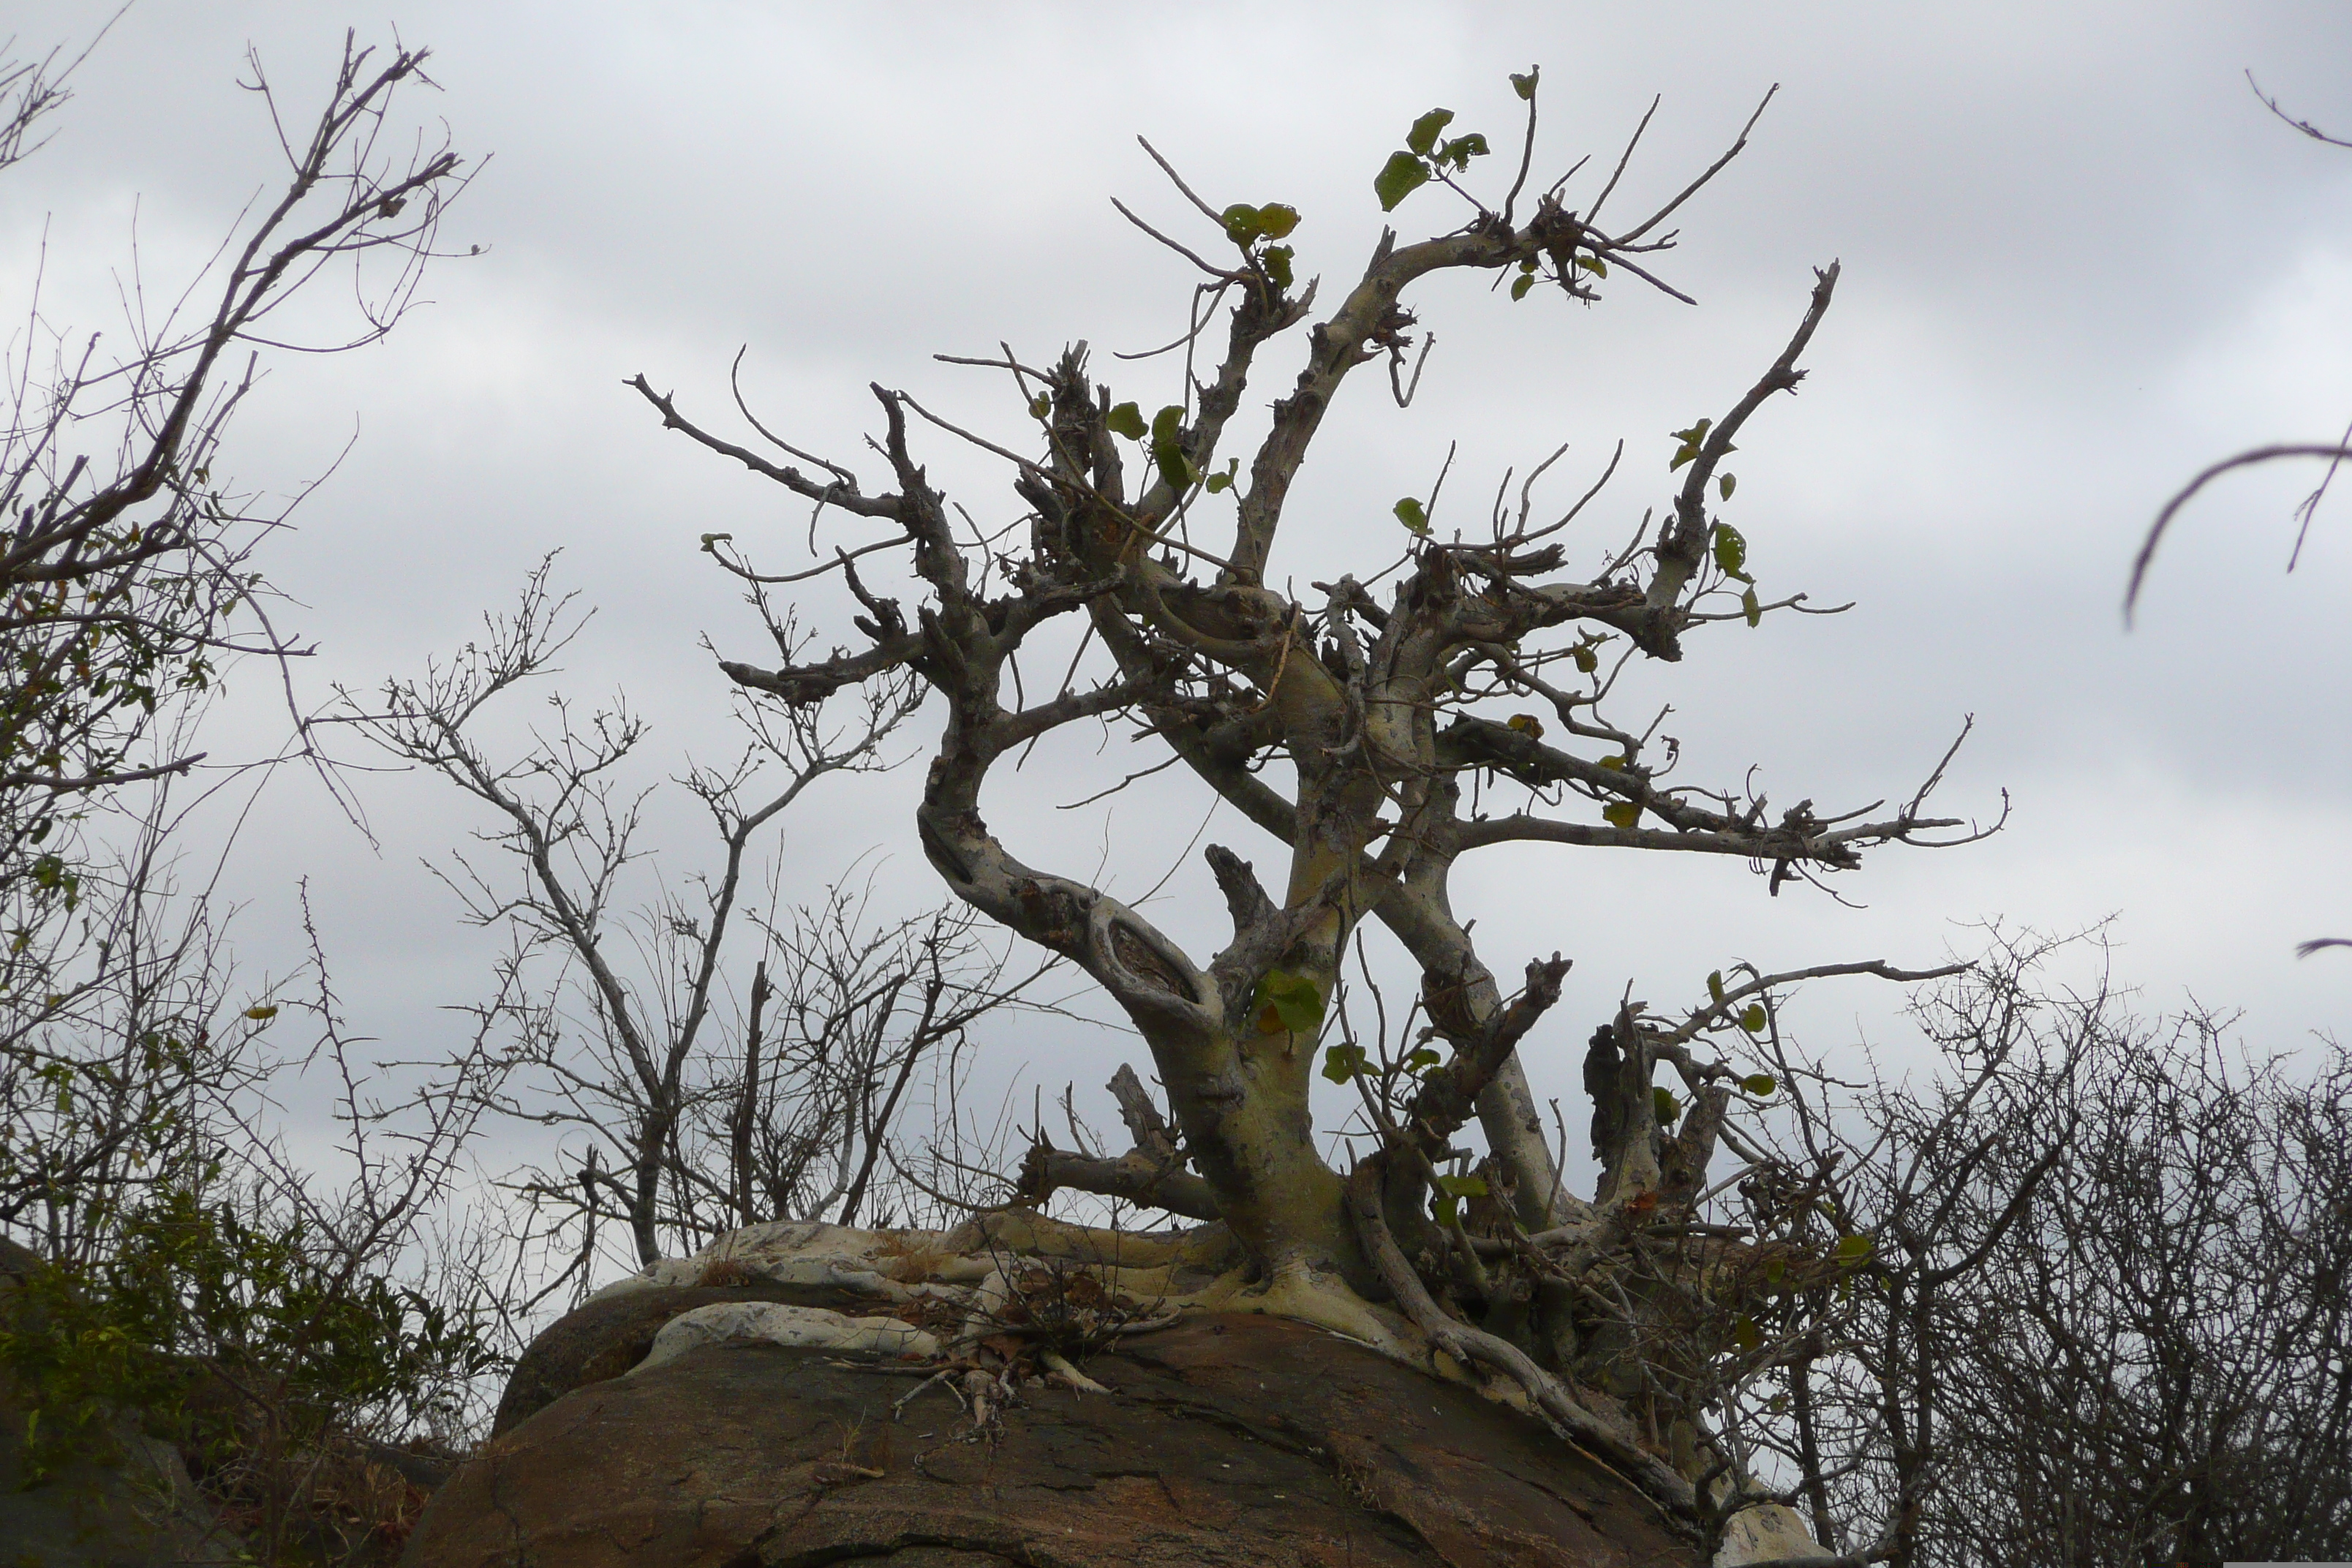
(2102, 1318)
(685, 1106)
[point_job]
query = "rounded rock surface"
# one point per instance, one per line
(1229, 1439)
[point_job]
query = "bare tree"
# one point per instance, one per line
(847, 1011)
(690, 1106)
(280, 1319)
(128, 561)
(127, 581)
(1379, 741)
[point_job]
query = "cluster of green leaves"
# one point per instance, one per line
(1529, 270)
(1751, 1019)
(1850, 1254)
(195, 1295)
(1255, 230)
(1619, 813)
(1730, 546)
(1446, 1203)
(1690, 443)
(89, 661)
(1163, 438)
(1344, 1062)
(1285, 1002)
(87, 1117)
(86, 1088)
(89, 655)
(1424, 158)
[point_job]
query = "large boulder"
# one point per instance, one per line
(608, 1335)
(1224, 1438)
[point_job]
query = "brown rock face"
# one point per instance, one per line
(1229, 1439)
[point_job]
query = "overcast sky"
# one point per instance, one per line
(2081, 259)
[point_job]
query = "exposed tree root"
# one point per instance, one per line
(967, 1286)
(1559, 1409)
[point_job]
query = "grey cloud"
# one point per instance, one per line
(2054, 222)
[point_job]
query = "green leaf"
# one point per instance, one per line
(1776, 1270)
(1040, 406)
(1851, 1250)
(1416, 519)
(1399, 177)
(1586, 659)
(1624, 813)
(1525, 86)
(1343, 1062)
(1219, 483)
(1462, 149)
(1759, 1084)
(1753, 1020)
(1452, 1190)
(1692, 440)
(1421, 1061)
(1275, 259)
(1521, 284)
(1243, 222)
(1168, 446)
(1126, 420)
(1290, 1001)
(1726, 485)
(1749, 602)
(1276, 220)
(1746, 1334)
(1731, 551)
(710, 540)
(1663, 1101)
(1424, 134)
(1598, 268)
(1715, 986)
